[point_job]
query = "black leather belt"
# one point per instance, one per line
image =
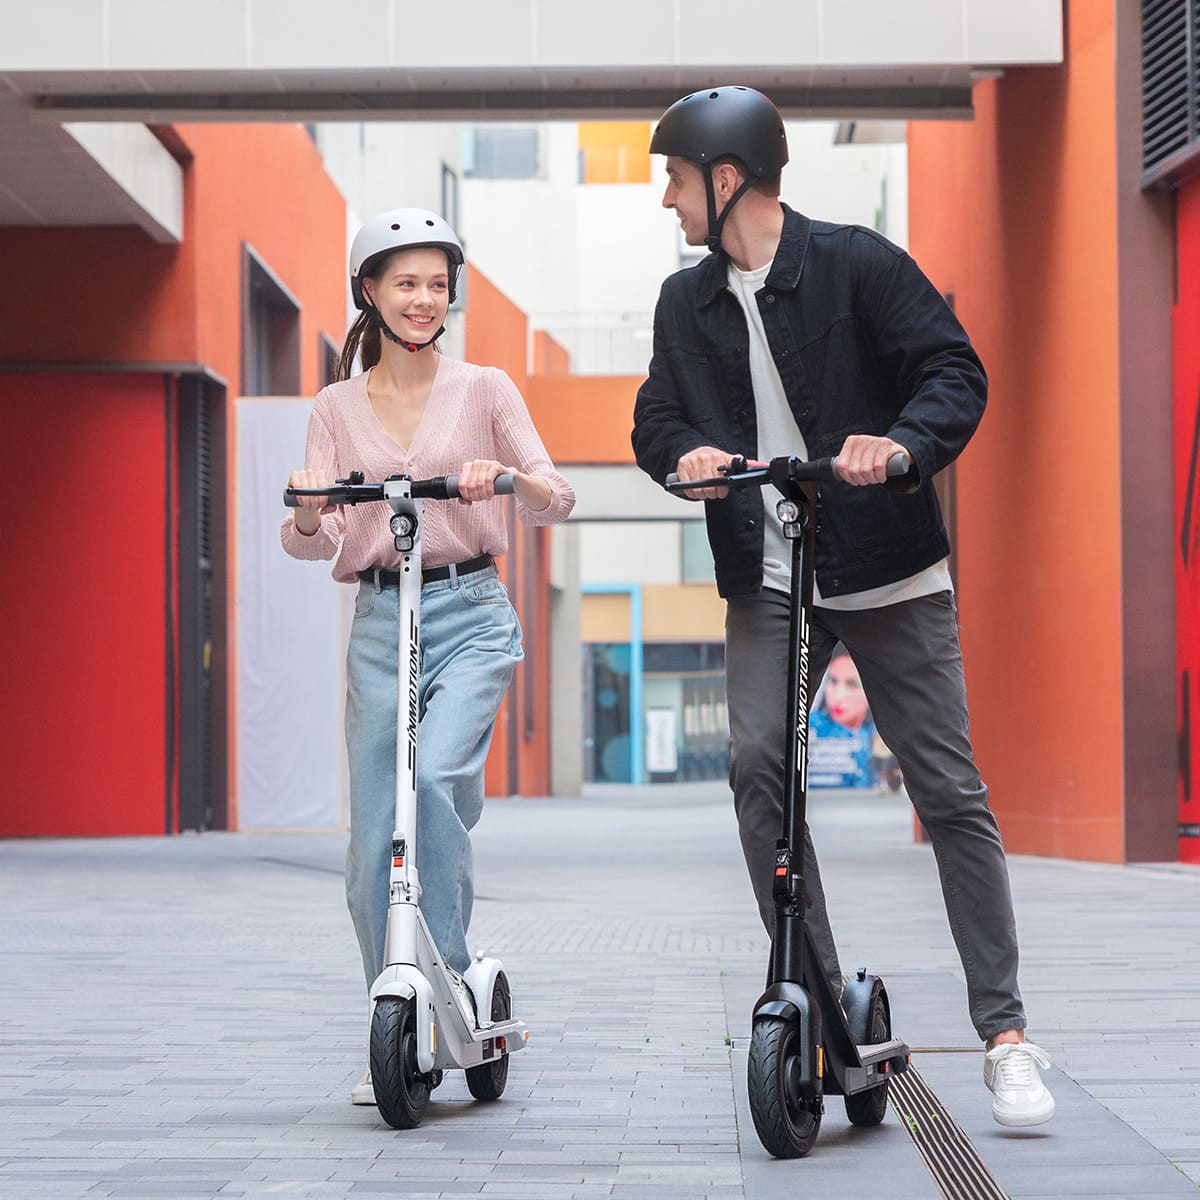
(431, 574)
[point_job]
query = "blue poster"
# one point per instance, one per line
(844, 749)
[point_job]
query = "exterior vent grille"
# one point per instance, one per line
(1170, 87)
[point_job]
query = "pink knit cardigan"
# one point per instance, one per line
(473, 412)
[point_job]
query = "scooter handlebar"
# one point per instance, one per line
(821, 469)
(348, 491)
(445, 487)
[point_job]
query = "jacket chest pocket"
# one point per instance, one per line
(696, 384)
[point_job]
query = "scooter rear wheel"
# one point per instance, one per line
(488, 1080)
(870, 1107)
(787, 1123)
(401, 1090)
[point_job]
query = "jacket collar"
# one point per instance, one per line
(784, 275)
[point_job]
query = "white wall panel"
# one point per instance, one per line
(789, 33)
(499, 33)
(641, 553)
(1016, 31)
(145, 34)
(283, 35)
(616, 32)
(876, 32)
(376, 35)
(137, 162)
(53, 35)
(290, 641)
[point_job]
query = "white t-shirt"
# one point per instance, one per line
(779, 434)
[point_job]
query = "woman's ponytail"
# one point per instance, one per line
(363, 337)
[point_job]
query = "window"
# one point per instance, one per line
(696, 561)
(328, 354)
(270, 331)
(614, 151)
(503, 152)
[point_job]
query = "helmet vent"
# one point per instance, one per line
(429, 223)
(395, 226)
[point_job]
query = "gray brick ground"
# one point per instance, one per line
(184, 1017)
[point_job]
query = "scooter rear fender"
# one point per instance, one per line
(407, 983)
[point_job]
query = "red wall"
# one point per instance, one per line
(496, 332)
(112, 295)
(82, 711)
(1186, 369)
(1015, 213)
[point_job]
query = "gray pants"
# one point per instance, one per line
(909, 661)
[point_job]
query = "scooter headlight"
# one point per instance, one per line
(788, 511)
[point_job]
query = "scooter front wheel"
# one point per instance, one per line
(401, 1090)
(787, 1123)
(488, 1080)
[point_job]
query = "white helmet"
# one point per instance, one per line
(401, 229)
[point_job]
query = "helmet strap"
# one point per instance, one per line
(715, 223)
(411, 347)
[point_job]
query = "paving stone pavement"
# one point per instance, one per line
(184, 1017)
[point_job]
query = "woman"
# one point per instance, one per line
(416, 411)
(841, 728)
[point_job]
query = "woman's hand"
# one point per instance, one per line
(476, 481)
(311, 508)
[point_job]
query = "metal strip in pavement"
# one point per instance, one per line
(946, 1150)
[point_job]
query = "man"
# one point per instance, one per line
(800, 337)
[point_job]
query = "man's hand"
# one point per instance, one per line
(864, 459)
(703, 463)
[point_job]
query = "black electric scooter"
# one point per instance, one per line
(804, 1043)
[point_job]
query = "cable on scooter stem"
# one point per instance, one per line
(739, 473)
(353, 490)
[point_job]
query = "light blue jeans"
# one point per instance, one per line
(470, 646)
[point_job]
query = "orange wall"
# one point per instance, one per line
(1015, 213)
(550, 356)
(265, 185)
(496, 336)
(584, 418)
(114, 295)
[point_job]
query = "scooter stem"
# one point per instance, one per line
(403, 882)
(788, 958)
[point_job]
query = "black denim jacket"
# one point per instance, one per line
(864, 343)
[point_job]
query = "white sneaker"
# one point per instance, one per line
(363, 1092)
(1019, 1097)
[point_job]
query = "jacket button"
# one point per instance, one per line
(770, 297)
(748, 524)
(804, 412)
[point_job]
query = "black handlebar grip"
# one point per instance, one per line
(503, 485)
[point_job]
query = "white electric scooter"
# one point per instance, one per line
(425, 1018)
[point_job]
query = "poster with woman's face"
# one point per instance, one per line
(845, 750)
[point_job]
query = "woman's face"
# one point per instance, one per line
(845, 699)
(412, 292)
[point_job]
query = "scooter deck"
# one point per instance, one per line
(892, 1048)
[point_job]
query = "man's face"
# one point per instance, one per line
(685, 194)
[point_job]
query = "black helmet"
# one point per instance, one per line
(734, 122)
